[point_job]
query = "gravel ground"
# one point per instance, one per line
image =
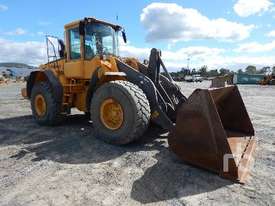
(65, 165)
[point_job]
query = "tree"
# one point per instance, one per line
(251, 70)
(240, 71)
(194, 71)
(224, 71)
(185, 71)
(213, 73)
(203, 70)
(264, 70)
(273, 70)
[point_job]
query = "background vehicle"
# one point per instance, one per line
(188, 78)
(197, 78)
(193, 78)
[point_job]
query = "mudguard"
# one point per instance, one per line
(49, 76)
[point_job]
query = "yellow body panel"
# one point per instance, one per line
(74, 69)
(74, 75)
(90, 66)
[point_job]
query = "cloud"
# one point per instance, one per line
(271, 33)
(3, 7)
(245, 8)
(254, 47)
(29, 52)
(167, 21)
(174, 60)
(214, 58)
(17, 31)
(241, 62)
(34, 53)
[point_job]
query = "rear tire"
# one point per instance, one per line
(135, 107)
(50, 114)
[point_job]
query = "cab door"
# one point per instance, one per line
(73, 67)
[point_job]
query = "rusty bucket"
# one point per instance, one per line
(213, 131)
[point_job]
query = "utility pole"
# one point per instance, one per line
(188, 63)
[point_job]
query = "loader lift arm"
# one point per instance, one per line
(155, 86)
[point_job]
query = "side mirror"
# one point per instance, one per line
(124, 36)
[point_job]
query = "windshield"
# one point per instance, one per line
(100, 39)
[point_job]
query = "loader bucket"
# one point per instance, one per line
(213, 131)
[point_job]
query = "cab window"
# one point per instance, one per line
(90, 46)
(99, 39)
(74, 43)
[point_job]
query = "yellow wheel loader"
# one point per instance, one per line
(211, 129)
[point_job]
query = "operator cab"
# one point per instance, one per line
(88, 40)
(98, 37)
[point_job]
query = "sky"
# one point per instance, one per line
(220, 34)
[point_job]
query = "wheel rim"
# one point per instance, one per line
(111, 114)
(40, 105)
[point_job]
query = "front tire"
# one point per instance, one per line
(120, 112)
(45, 108)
